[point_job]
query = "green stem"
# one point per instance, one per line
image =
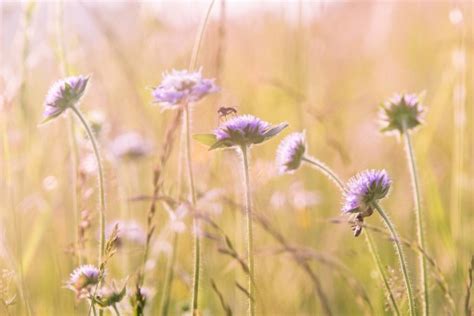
(101, 182)
(419, 219)
(372, 248)
(200, 35)
(197, 246)
(116, 310)
(168, 278)
(378, 263)
(401, 256)
(326, 170)
(248, 206)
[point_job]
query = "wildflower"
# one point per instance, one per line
(242, 131)
(130, 145)
(64, 94)
(402, 112)
(365, 188)
(83, 278)
(178, 87)
(290, 152)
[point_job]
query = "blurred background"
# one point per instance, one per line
(322, 66)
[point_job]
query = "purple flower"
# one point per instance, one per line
(365, 188)
(63, 94)
(402, 112)
(182, 86)
(130, 145)
(290, 152)
(83, 278)
(245, 130)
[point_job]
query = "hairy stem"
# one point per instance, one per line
(419, 219)
(378, 263)
(101, 182)
(401, 256)
(248, 207)
(325, 170)
(197, 242)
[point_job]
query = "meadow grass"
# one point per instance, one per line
(321, 67)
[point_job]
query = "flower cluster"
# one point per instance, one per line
(290, 152)
(402, 112)
(178, 87)
(64, 94)
(365, 188)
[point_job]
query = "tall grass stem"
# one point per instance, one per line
(378, 263)
(401, 257)
(419, 219)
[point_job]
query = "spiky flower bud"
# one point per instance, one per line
(182, 86)
(363, 189)
(402, 112)
(290, 152)
(64, 94)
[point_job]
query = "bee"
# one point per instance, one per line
(356, 221)
(224, 112)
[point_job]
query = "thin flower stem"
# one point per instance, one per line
(419, 219)
(372, 247)
(197, 242)
(248, 206)
(169, 278)
(401, 256)
(326, 170)
(101, 182)
(378, 263)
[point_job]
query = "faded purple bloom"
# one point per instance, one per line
(83, 278)
(128, 231)
(402, 112)
(182, 86)
(130, 145)
(290, 152)
(365, 188)
(63, 94)
(245, 130)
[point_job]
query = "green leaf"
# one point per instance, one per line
(205, 139)
(219, 144)
(275, 130)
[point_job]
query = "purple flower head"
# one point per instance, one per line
(83, 278)
(244, 130)
(63, 94)
(290, 152)
(182, 86)
(365, 188)
(130, 145)
(402, 112)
